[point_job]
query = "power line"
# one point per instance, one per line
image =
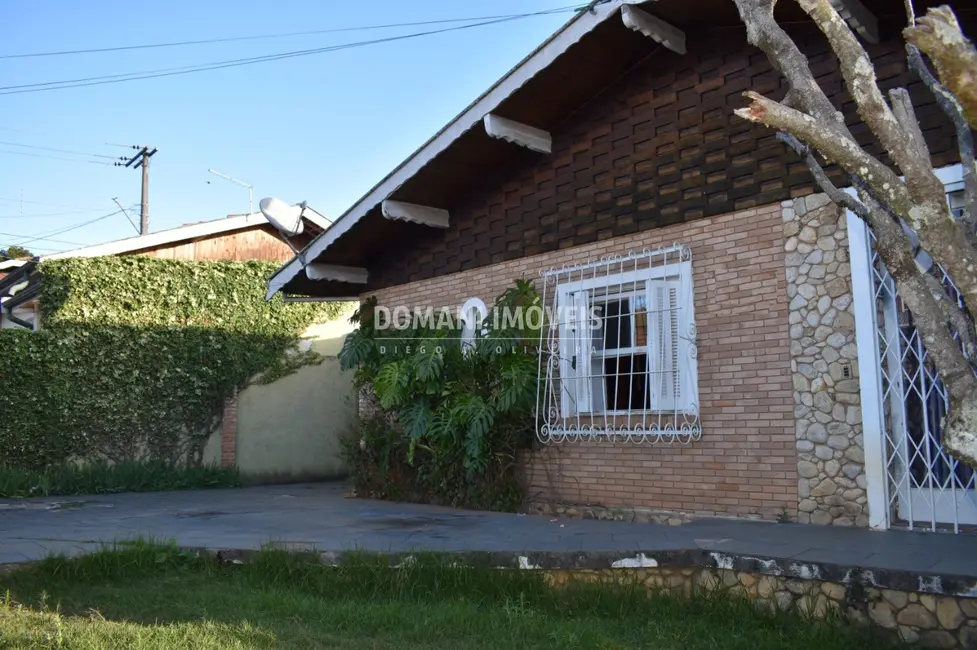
(41, 155)
(36, 155)
(149, 74)
(49, 214)
(40, 148)
(217, 65)
(269, 36)
(54, 241)
(126, 213)
(52, 205)
(46, 236)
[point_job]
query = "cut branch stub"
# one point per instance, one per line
(938, 34)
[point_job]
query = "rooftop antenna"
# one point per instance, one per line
(242, 184)
(287, 219)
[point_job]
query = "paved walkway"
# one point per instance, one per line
(317, 515)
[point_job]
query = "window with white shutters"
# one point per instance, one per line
(620, 356)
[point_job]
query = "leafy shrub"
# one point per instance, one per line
(137, 355)
(448, 422)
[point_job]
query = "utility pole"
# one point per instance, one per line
(143, 154)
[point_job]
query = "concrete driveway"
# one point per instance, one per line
(317, 516)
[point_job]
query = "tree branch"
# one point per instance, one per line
(938, 34)
(930, 217)
(929, 309)
(902, 108)
(859, 74)
(838, 196)
(805, 93)
(832, 145)
(892, 239)
(885, 200)
(956, 317)
(942, 238)
(965, 137)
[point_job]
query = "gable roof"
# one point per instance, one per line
(191, 231)
(596, 13)
(589, 54)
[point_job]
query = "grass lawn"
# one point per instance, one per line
(146, 596)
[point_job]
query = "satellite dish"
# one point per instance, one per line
(287, 218)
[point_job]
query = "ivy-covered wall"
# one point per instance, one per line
(137, 355)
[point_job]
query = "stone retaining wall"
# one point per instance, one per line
(932, 621)
(932, 610)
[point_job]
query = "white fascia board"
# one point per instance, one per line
(580, 25)
(518, 133)
(11, 264)
(420, 214)
(858, 18)
(654, 28)
(351, 274)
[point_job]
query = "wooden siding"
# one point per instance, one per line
(255, 243)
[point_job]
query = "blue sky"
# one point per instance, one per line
(322, 128)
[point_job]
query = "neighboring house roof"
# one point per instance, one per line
(20, 278)
(19, 285)
(8, 265)
(192, 231)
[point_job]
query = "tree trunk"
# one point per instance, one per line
(917, 198)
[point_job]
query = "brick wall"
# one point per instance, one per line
(746, 462)
(229, 433)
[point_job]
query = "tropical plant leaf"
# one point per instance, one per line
(391, 383)
(428, 363)
(356, 349)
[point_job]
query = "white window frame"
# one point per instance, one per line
(579, 294)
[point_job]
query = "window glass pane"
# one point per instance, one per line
(617, 324)
(626, 382)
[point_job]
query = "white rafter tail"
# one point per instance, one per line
(518, 133)
(859, 18)
(422, 214)
(350, 274)
(654, 28)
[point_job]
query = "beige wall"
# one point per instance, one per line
(290, 430)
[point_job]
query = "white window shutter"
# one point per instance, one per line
(575, 347)
(665, 345)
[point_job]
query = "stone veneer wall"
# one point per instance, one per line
(931, 620)
(824, 364)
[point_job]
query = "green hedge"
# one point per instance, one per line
(136, 356)
(108, 478)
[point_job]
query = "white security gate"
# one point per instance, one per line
(912, 482)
